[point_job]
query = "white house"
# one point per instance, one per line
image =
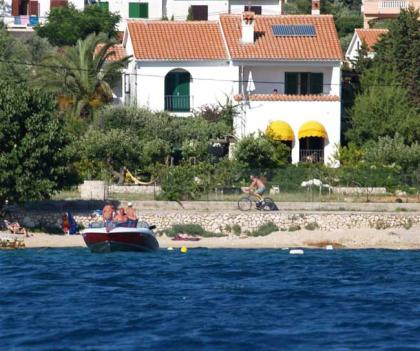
(283, 70)
(368, 36)
(24, 14)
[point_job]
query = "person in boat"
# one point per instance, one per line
(121, 216)
(108, 212)
(131, 215)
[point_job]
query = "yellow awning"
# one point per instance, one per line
(279, 130)
(312, 129)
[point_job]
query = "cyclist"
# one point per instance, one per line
(259, 186)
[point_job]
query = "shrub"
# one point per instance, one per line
(294, 228)
(311, 226)
(265, 229)
(237, 230)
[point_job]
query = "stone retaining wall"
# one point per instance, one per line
(217, 221)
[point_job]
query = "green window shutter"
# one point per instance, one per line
(316, 83)
(133, 10)
(291, 83)
(104, 5)
(144, 10)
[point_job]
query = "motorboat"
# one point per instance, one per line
(110, 237)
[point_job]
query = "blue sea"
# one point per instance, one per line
(71, 299)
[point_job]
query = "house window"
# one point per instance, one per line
(303, 83)
(200, 12)
(104, 5)
(256, 9)
(138, 10)
(58, 3)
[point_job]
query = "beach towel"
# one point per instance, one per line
(72, 223)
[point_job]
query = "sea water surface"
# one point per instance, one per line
(71, 299)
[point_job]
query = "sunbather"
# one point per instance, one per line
(16, 228)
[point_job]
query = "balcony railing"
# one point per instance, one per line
(312, 156)
(393, 4)
(178, 103)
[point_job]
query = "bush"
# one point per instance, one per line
(265, 229)
(311, 226)
(237, 230)
(260, 153)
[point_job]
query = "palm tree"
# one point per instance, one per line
(82, 76)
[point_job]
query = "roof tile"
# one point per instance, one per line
(177, 40)
(370, 36)
(325, 45)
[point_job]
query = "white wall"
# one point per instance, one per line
(211, 82)
(179, 8)
(266, 78)
(269, 7)
(259, 114)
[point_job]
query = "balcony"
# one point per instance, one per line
(312, 156)
(387, 7)
(25, 21)
(178, 103)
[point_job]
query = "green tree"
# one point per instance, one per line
(66, 25)
(34, 159)
(382, 109)
(259, 153)
(399, 51)
(81, 74)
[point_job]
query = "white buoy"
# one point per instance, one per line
(296, 252)
(329, 247)
(170, 248)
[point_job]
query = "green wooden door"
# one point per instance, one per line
(177, 91)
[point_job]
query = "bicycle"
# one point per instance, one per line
(245, 203)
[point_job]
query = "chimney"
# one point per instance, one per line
(281, 7)
(248, 21)
(316, 7)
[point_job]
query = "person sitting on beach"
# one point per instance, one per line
(121, 217)
(16, 228)
(131, 215)
(108, 212)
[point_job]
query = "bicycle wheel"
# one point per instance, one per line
(268, 204)
(245, 203)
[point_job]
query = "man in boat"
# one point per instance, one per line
(131, 215)
(108, 211)
(121, 216)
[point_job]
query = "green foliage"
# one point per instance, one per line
(11, 49)
(383, 110)
(80, 74)
(236, 229)
(265, 229)
(260, 153)
(393, 151)
(190, 14)
(66, 25)
(399, 51)
(34, 160)
(311, 226)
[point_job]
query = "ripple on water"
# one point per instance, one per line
(209, 300)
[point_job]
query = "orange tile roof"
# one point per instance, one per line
(283, 97)
(177, 40)
(119, 52)
(325, 45)
(370, 36)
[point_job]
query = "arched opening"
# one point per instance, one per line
(281, 132)
(312, 137)
(177, 91)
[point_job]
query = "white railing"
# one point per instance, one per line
(394, 4)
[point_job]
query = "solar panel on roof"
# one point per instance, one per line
(293, 30)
